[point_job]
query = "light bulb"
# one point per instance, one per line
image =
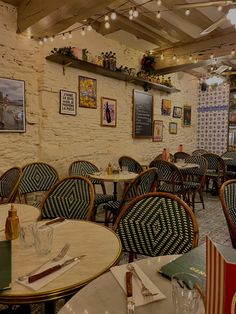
(70, 35)
(158, 2)
(113, 15)
(89, 28)
(131, 11)
(52, 38)
(162, 56)
(40, 41)
(174, 57)
(230, 68)
(196, 60)
(63, 36)
(135, 13)
(106, 18)
(131, 17)
(212, 56)
(220, 8)
(190, 58)
(187, 12)
(83, 31)
(158, 15)
(107, 25)
(233, 52)
(45, 39)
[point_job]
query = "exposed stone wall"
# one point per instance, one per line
(60, 139)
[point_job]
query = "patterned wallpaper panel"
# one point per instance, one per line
(212, 124)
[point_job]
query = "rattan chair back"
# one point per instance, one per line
(180, 155)
(199, 152)
(9, 182)
(132, 164)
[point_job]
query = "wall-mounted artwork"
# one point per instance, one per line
(187, 116)
(12, 105)
(87, 92)
(108, 112)
(68, 103)
(166, 107)
(157, 131)
(173, 128)
(177, 112)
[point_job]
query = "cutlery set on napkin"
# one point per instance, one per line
(138, 287)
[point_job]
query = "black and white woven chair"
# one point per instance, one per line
(160, 156)
(215, 171)
(144, 183)
(228, 202)
(132, 164)
(230, 164)
(9, 181)
(72, 197)
(199, 151)
(157, 224)
(85, 168)
(195, 178)
(180, 155)
(37, 178)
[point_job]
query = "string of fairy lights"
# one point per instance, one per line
(132, 11)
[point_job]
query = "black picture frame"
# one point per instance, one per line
(68, 102)
(177, 112)
(12, 105)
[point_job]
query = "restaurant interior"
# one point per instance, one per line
(118, 169)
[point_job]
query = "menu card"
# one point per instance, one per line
(220, 280)
(5, 265)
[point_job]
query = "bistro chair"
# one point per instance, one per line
(228, 202)
(9, 181)
(37, 178)
(170, 179)
(215, 172)
(144, 183)
(199, 152)
(230, 164)
(195, 178)
(72, 198)
(180, 155)
(85, 168)
(157, 224)
(132, 164)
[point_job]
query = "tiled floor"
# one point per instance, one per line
(211, 222)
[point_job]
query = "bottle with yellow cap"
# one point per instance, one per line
(109, 169)
(12, 226)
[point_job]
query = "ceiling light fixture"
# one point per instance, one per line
(231, 16)
(158, 15)
(83, 31)
(89, 28)
(220, 8)
(107, 25)
(187, 12)
(106, 18)
(63, 36)
(135, 13)
(159, 2)
(113, 15)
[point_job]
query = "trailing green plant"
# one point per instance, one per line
(65, 51)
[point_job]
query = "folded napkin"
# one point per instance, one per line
(45, 280)
(119, 273)
(55, 225)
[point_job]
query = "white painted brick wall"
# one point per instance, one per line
(60, 139)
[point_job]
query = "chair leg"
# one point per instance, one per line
(201, 198)
(193, 200)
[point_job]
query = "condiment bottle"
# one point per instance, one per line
(109, 169)
(12, 226)
(180, 147)
(164, 154)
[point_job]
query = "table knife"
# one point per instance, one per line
(53, 221)
(129, 292)
(51, 270)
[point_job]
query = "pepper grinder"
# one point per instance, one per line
(12, 226)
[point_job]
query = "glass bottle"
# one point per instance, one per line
(12, 227)
(109, 169)
(164, 154)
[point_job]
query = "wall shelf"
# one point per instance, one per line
(90, 67)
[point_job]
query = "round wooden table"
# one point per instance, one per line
(101, 246)
(105, 295)
(122, 176)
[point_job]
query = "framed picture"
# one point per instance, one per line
(157, 131)
(108, 112)
(68, 102)
(173, 128)
(87, 92)
(166, 107)
(187, 116)
(177, 112)
(142, 114)
(12, 105)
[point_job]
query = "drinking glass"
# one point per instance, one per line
(27, 229)
(125, 169)
(43, 239)
(186, 297)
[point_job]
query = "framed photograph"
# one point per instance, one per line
(173, 128)
(87, 92)
(108, 112)
(68, 103)
(142, 114)
(187, 116)
(12, 105)
(166, 107)
(177, 112)
(157, 131)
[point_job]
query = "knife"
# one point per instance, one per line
(51, 270)
(129, 292)
(53, 221)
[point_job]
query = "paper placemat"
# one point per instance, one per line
(45, 280)
(139, 299)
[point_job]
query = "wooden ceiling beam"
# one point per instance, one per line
(44, 14)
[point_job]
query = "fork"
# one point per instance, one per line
(144, 290)
(57, 258)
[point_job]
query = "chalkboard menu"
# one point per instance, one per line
(142, 114)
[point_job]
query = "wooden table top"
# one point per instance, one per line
(115, 177)
(101, 246)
